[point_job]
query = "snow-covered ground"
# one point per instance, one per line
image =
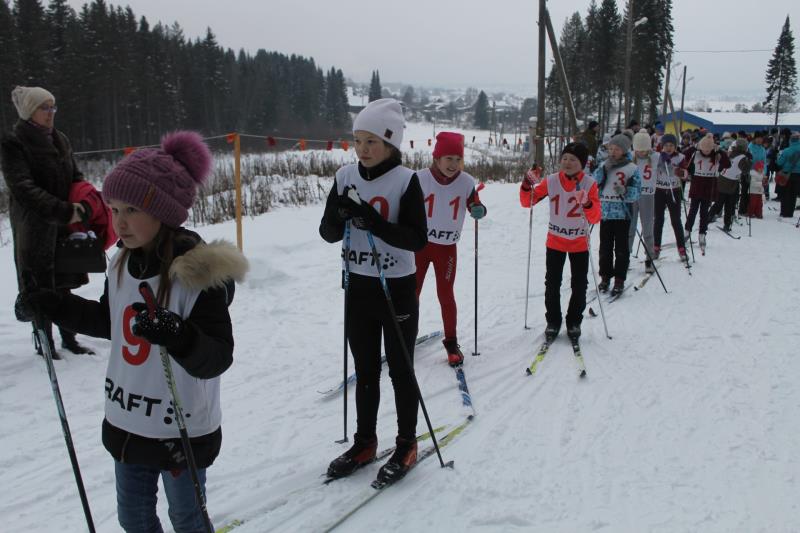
(687, 420)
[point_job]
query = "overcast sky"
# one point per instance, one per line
(486, 44)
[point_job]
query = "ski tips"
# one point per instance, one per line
(448, 464)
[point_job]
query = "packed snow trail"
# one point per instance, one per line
(685, 422)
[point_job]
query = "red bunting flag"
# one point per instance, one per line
(345, 145)
(271, 141)
(480, 187)
(329, 146)
(412, 144)
(128, 150)
(302, 144)
(429, 142)
(230, 137)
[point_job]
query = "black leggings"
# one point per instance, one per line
(368, 318)
(614, 253)
(579, 267)
(789, 196)
(671, 199)
(702, 205)
(726, 202)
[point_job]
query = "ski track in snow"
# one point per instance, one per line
(686, 421)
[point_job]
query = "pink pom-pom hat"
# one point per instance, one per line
(162, 181)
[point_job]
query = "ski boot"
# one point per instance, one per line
(656, 252)
(604, 284)
(648, 267)
(683, 256)
(551, 332)
(68, 342)
(574, 332)
(401, 461)
(702, 241)
(619, 286)
(361, 453)
(38, 345)
(454, 355)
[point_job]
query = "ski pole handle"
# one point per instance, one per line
(149, 298)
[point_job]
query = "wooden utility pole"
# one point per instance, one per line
(683, 95)
(780, 86)
(628, 50)
(666, 84)
(540, 118)
(562, 75)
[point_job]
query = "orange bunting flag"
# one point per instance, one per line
(345, 145)
(230, 137)
(412, 144)
(128, 150)
(302, 144)
(481, 185)
(429, 142)
(271, 141)
(329, 146)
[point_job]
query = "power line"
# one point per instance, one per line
(720, 51)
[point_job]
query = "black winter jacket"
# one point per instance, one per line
(38, 173)
(205, 351)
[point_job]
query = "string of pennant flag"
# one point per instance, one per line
(303, 143)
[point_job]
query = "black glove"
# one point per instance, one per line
(165, 328)
(40, 301)
(363, 215)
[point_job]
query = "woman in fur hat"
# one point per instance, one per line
(150, 193)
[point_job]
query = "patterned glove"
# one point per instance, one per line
(164, 329)
(582, 197)
(477, 211)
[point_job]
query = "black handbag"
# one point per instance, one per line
(80, 255)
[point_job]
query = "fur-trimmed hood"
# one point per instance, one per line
(210, 265)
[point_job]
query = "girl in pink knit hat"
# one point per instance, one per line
(150, 193)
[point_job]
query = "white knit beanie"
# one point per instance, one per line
(383, 118)
(27, 99)
(641, 142)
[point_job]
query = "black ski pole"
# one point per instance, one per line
(147, 293)
(689, 236)
(404, 348)
(346, 283)
(44, 342)
(797, 225)
(749, 225)
(476, 352)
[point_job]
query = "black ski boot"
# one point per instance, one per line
(49, 331)
(619, 286)
(361, 453)
(68, 342)
(604, 284)
(574, 332)
(551, 332)
(401, 461)
(454, 356)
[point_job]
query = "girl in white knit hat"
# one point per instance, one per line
(647, 162)
(380, 197)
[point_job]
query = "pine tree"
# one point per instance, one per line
(652, 43)
(9, 66)
(33, 40)
(782, 74)
(409, 96)
(375, 91)
(482, 111)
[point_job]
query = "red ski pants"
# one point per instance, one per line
(443, 257)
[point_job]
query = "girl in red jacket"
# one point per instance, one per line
(574, 205)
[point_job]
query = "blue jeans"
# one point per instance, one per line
(137, 487)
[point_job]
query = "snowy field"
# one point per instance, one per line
(687, 420)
